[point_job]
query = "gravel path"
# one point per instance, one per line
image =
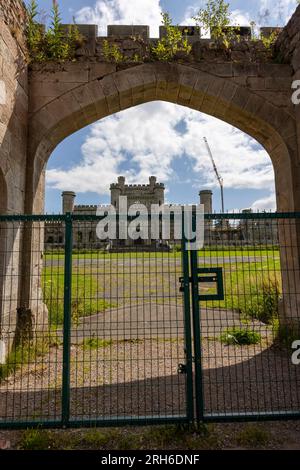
(140, 378)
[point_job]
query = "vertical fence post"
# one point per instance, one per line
(199, 398)
(187, 324)
(67, 319)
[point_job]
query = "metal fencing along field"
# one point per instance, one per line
(116, 333)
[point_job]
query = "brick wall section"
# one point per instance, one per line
(288, 43)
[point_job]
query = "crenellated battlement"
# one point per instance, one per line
(139, 187)
(134, 41)
(143, 188)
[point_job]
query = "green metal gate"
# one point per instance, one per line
(111, 340)
(118, 335)
(246, 318)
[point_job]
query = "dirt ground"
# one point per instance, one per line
(284, 435)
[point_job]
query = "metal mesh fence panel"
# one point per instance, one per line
(113, 332)
(127, 330)
(246, 339)
(31, 310)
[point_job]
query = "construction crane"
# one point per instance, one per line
(220, 180)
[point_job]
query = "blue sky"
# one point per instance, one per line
(161, 138)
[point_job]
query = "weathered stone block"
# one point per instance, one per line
(98, 70)
(128, 30)
(279, 83)
(266, 31)
(89, 31)
(257, 83)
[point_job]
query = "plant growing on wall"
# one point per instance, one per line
(35, 34)
(269, 41)
(53, 44)
(173, 42)
(214, 17)
(112, 52)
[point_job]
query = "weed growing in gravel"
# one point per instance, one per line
(285, 335)
(96, 439)
(253, 436)
(263, 305)
(24, 353)
(96, 343)
(35, 439)
(239, 336)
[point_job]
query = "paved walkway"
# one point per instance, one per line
(152, 320)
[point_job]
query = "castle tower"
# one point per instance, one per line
(68, 199)
(206, 200)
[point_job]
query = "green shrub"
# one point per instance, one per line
(285, 335)
(53, 44)
(25, 353)
(269, 42)
(239, 336)
(35, 439)
(215, 17)
(263, 305)
(96, 439)
(112, 52)
(167, 47)
(253, 436)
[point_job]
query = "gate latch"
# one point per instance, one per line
(182, 369)
(181, 280)
(216, 276)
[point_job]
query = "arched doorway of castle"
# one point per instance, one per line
(273, 127)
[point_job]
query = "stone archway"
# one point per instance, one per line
(45, 103)
(273, 127)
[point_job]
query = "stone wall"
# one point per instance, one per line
(13, 102)
(13, 13)
(13, 153)
(288, 43)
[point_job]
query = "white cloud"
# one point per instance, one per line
(263, 12)
(241, 18)
(105, 12)
(275, 12)
(267, 203)
(149, 138)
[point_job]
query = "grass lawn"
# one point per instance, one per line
(252, 284)
(269, 253)
(85, 298)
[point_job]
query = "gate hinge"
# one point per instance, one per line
(182, 369)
